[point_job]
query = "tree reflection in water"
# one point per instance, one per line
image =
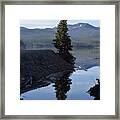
(62, 85)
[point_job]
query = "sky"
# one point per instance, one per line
(53, 23)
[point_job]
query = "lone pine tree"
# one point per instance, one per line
(62, 40)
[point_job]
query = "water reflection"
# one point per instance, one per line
(72, 90)
(61, 79)
(68, 84)
(62, 86)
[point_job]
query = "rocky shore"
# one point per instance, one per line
(37, 65)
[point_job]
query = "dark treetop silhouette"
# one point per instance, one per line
(62, 40)
(95, 90)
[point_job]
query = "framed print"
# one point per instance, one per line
(60, 59)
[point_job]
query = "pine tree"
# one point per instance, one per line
(62, 40)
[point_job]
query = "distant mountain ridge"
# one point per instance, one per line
(82, 35)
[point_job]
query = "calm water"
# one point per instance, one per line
(74, 87)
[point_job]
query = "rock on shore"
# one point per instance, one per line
(40, 63)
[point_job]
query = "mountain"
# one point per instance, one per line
(82, 35)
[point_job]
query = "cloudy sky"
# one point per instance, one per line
(53, 23)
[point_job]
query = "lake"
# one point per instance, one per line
(70, 86)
